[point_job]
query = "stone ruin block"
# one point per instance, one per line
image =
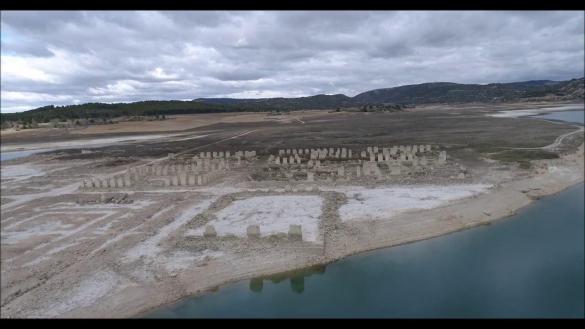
(210, 231)
(341, 171)
(310, 177)
(253, 231)
(375, 149)
(171, 156)
(183, 179)
(284, 160)
(395, 171)
(349, 153)
(363, 154)
(442, 156)
(369, 149)
(295, 232)
(280, 152)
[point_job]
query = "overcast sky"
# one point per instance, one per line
(76, 57)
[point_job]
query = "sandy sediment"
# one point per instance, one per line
(356, 236)
(122, 260)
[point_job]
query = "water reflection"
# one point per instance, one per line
(296, 278)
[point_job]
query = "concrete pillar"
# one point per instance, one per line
(442, 156)
(210, 231)
(295, 232)
(127, 181)
(253, 231)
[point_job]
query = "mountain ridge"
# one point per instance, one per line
(415, 94)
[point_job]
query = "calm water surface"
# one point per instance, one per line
(568, 116)
(530, 265)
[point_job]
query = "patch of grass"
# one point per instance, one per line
(524, 164)
(523, 157)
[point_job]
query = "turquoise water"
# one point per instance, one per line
(568, 116)
(530, 265)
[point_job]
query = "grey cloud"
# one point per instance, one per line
(61, 57)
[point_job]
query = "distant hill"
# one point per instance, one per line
(425, 93)
(311, 102)
(447, 92)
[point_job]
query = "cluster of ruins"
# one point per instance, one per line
(345, 164)
(295, 232)
(194, 170)
(310, 165)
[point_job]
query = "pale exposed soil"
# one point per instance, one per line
(140, 247)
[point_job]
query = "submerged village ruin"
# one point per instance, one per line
(290, 171)
(96, 230)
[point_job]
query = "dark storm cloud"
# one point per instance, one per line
(75, 57)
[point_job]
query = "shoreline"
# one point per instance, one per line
(548, 185)
(170, 269)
